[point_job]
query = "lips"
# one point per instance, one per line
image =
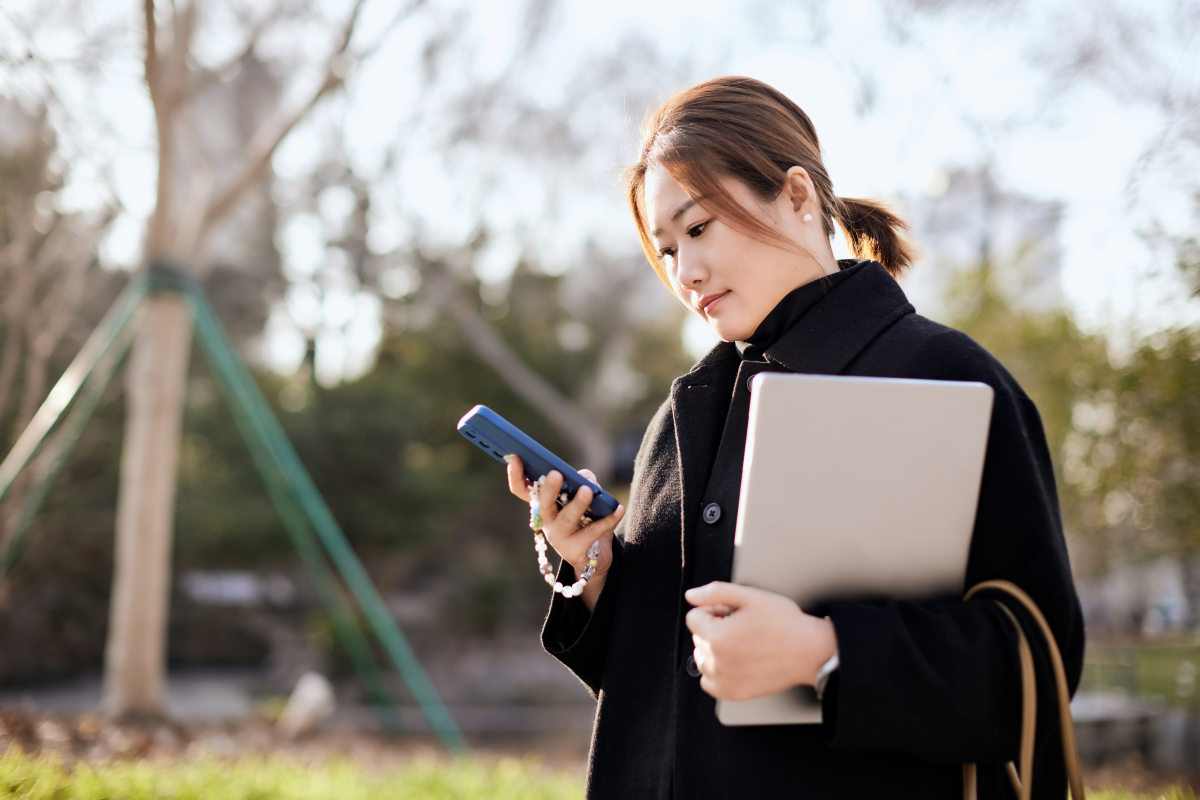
(708, 302)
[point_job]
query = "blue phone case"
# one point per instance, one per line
(498, 437)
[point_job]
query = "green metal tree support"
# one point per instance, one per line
(309, 522)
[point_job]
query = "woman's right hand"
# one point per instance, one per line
(561, 525)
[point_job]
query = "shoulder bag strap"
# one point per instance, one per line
(1023, 780)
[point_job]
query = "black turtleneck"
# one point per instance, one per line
(794, 305)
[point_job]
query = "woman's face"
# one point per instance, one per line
(729, 278)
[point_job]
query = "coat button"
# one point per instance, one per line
(750, 384)
(712, 513)
(692, 669)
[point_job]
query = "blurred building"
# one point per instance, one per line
(967, 221)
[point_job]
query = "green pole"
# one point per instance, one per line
(245, 394)
(299, 530)
(87, 397)
(50, 413)
(303, 539)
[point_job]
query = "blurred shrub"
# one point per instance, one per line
(429, 515)
(1124, 433)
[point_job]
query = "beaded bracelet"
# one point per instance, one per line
(539, 544)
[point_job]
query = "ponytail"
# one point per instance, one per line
(875, 232)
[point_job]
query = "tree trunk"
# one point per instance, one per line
(135, 656)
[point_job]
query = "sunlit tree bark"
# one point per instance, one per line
(184, 214)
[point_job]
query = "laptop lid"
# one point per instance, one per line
(855, 487)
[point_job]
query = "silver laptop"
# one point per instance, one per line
(855, 487)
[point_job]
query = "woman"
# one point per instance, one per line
(735, 211)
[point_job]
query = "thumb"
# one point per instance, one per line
(591, 476)
(719, 593)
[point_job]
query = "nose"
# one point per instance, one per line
(689, 270)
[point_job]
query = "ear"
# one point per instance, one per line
(798, 187)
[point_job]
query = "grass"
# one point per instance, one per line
(45, 776)
(249, 778)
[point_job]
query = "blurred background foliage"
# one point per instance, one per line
(473, 249)
(1123, 424)
(429, 514)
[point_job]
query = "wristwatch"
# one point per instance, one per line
(827, 669)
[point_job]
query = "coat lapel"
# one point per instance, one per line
(824, 341)
(699, 401)
(837, 329)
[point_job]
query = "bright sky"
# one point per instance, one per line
(963, 89)
(956, 89)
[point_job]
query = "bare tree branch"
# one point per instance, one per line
(210, 77)
(17, 305)
(268, 138)
(151, 51)
(594, 449)
(262, 147)
(158, 230)
(50, 249)
(184, 24)
(46, 326)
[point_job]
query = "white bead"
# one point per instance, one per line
(549, 578)
(568, 591)
(578, 586)
(808, 217)
(558, 587)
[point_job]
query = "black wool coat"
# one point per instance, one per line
(923, 686)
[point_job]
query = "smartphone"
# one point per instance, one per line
(499, 438)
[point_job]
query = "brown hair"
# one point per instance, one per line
(744, 129)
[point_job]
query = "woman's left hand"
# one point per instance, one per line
(751, 642)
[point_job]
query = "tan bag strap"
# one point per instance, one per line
(1024, 787)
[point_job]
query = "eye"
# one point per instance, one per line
(697, 229)
(666, 253)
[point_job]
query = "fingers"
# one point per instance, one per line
(713, 679)
(591, 476)
(572, 512)
(702, 622)
(720, 593)
(706, 664)
(702, 653)
(516, 478)
(565, 520)
(548, 494)
(602, 526)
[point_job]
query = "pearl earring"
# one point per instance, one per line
(808, 217)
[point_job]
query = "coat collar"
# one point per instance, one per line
(830, 335)
(837, 329)
(825, 341)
